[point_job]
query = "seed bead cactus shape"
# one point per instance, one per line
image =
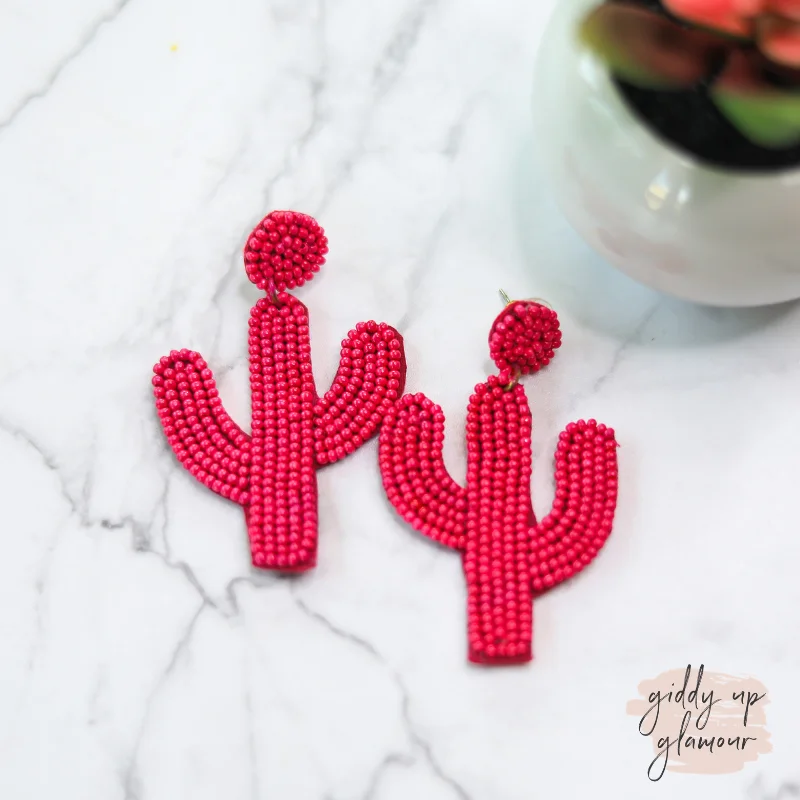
(509, 558)
(271, 473)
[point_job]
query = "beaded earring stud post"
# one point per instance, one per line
(271, 473)
(509, 558)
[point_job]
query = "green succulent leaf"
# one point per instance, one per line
(766, 115)
(771, 120)
(647, 49)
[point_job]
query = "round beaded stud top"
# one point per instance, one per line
(524, 338)
(284, 251)
(271, 473)
(508, 556)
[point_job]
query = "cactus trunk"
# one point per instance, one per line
(497, 549)
(282, 516)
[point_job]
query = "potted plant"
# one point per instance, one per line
(671, 131)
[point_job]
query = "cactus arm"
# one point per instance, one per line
(200, 432)
(571, 535)
(369, 380)
(414, 475)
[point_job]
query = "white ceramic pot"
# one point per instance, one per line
(715, 237)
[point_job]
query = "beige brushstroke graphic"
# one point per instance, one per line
(702, 723)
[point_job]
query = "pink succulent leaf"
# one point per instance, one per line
(765, 114)
(779, 40)
(647, 49)
(728, 16)
(784, 8)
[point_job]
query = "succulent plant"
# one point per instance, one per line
(745, 53)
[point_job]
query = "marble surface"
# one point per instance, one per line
(141, 658)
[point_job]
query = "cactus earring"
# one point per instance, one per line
(271, 473)
(508, 557)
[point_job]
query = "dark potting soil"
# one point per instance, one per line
(690, 121)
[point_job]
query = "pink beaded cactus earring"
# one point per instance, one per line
(508, 557)
(271, 472)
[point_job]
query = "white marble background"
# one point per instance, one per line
(141, 658)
